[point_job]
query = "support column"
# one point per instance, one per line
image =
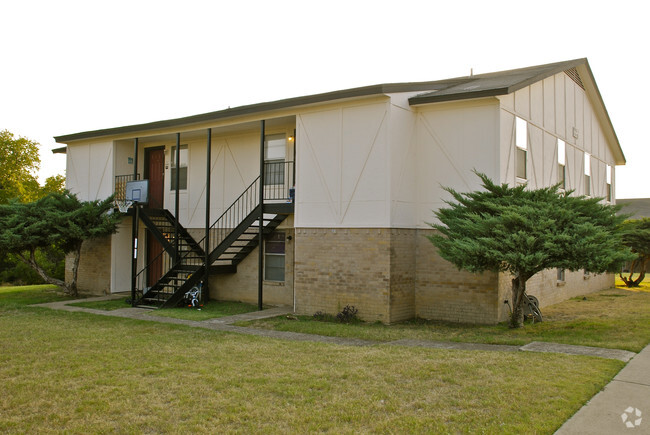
(206, 246)
(260, 272)
(177, 201)
(134, 228)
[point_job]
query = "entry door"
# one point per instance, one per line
(155, 173)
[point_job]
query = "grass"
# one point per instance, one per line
(614, 318)
(82, 373)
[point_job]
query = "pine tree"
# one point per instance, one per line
(522, 232)
(58, 219)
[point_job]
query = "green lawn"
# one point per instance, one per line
(81, 373)
(614, 318)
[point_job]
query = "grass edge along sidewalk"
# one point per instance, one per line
(614, 318)
(101, 369)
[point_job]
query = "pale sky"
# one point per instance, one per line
(72, 66)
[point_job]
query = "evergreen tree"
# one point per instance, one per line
(522, 232)
(58, 219)
(636, 236)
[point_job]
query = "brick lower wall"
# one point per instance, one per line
(442, 292)
(94, 274)
(338, 267)
(402, 274)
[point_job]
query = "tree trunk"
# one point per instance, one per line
(31, 262)
(637, 282)
(72, 287)
(629, 282)
(518, 289)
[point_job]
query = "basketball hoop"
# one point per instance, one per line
(123, 205)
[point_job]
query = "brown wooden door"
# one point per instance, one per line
(155, 173)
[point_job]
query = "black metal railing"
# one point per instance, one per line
(120, 185)
(279, 180)
(173, 272)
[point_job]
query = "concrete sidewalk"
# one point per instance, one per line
(623, 407)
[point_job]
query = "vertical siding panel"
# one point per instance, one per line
(549, 104)
(537, 103)
(560, 108)
(522, 102)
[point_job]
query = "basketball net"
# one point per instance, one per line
(123, 206)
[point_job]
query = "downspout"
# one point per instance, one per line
(206, 248)
(260, 265)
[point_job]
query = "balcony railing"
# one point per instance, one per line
(278, 180)
(120, 185)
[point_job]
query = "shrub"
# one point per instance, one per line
(348, 314)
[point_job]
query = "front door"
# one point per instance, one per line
(155, 173)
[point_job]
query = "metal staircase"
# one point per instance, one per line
(231, 238)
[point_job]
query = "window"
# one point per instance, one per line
(274, 252)
(275, 150)
(587, 174)
(560, 275)
(561, 163)
(609, 183)
(182, 181)
(521, 142)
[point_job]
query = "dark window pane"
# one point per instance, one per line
(520, 164)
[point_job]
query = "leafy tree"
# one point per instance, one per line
(522, 232)
(19, 162)
(636, 236)
(58, 219)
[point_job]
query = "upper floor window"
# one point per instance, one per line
(182, 168)
(275, 151)
(587, 174)
(609, 183)
(521, 142)
(561, 163)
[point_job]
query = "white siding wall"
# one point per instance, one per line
(553, 108)
(121, 258)
(89, 170)
(452, 139)
(342, 167)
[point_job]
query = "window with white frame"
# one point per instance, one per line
(587, 174)
(182, 168)
(275, 151)
(609, 183)
(560, 275)
(274, 253)
(561, 163)
(521, 142)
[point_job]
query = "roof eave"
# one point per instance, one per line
(418, 100)
(252, 109)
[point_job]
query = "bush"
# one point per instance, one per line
(348, 314)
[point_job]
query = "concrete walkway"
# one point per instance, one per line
(622, 407)
(227, 324)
